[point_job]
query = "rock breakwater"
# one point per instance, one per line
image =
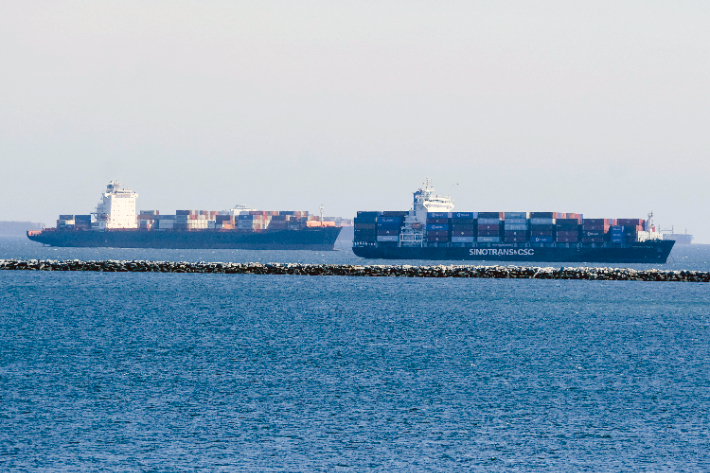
(437, 271)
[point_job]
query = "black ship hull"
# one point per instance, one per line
(315, 238)
(645, 252)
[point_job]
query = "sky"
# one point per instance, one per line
(599, 107)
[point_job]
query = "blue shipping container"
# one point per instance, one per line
(437, 227)
(365, 214)
(397, 220)
(457, 215)
(438, 215)
(389, 225)
(541, 239)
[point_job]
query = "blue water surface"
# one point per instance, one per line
(166, 372)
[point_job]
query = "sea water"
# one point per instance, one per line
(140, 371)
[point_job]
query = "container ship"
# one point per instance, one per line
(679, 238)
(116, 225)
(430, 230)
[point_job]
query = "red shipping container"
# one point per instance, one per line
(437, 221)
(438, 238)
(461, 233)
(437, 233)
(488, 232)
(488, 226)
(541, 233)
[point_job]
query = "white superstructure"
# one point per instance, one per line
(239, 209)
(650, 232)
(117, 208)
(425, 200)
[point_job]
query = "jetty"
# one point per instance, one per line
(402, 271)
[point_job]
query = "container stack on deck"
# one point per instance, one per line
(463, 227)
(211, 219)
(65, 222)
(466, 228)
(594, 229)
(515, 227)
(389, 225)
(630, 228)
(567, 227)
(542, 227)
(365, 227)
(148, 219)
(489, 227)
(438, 229)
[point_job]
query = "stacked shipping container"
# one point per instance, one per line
(567, 228)
(542, 227)
(489, 227)
(211, 219)
(438, 228)
(463, 227)
(630, 228)
(595, 229)
(366, 227)
(389, 225)
(515, 227)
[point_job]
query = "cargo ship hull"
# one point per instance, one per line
(643, 252)
(314, 238)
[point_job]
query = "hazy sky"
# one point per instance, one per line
(601, 108)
